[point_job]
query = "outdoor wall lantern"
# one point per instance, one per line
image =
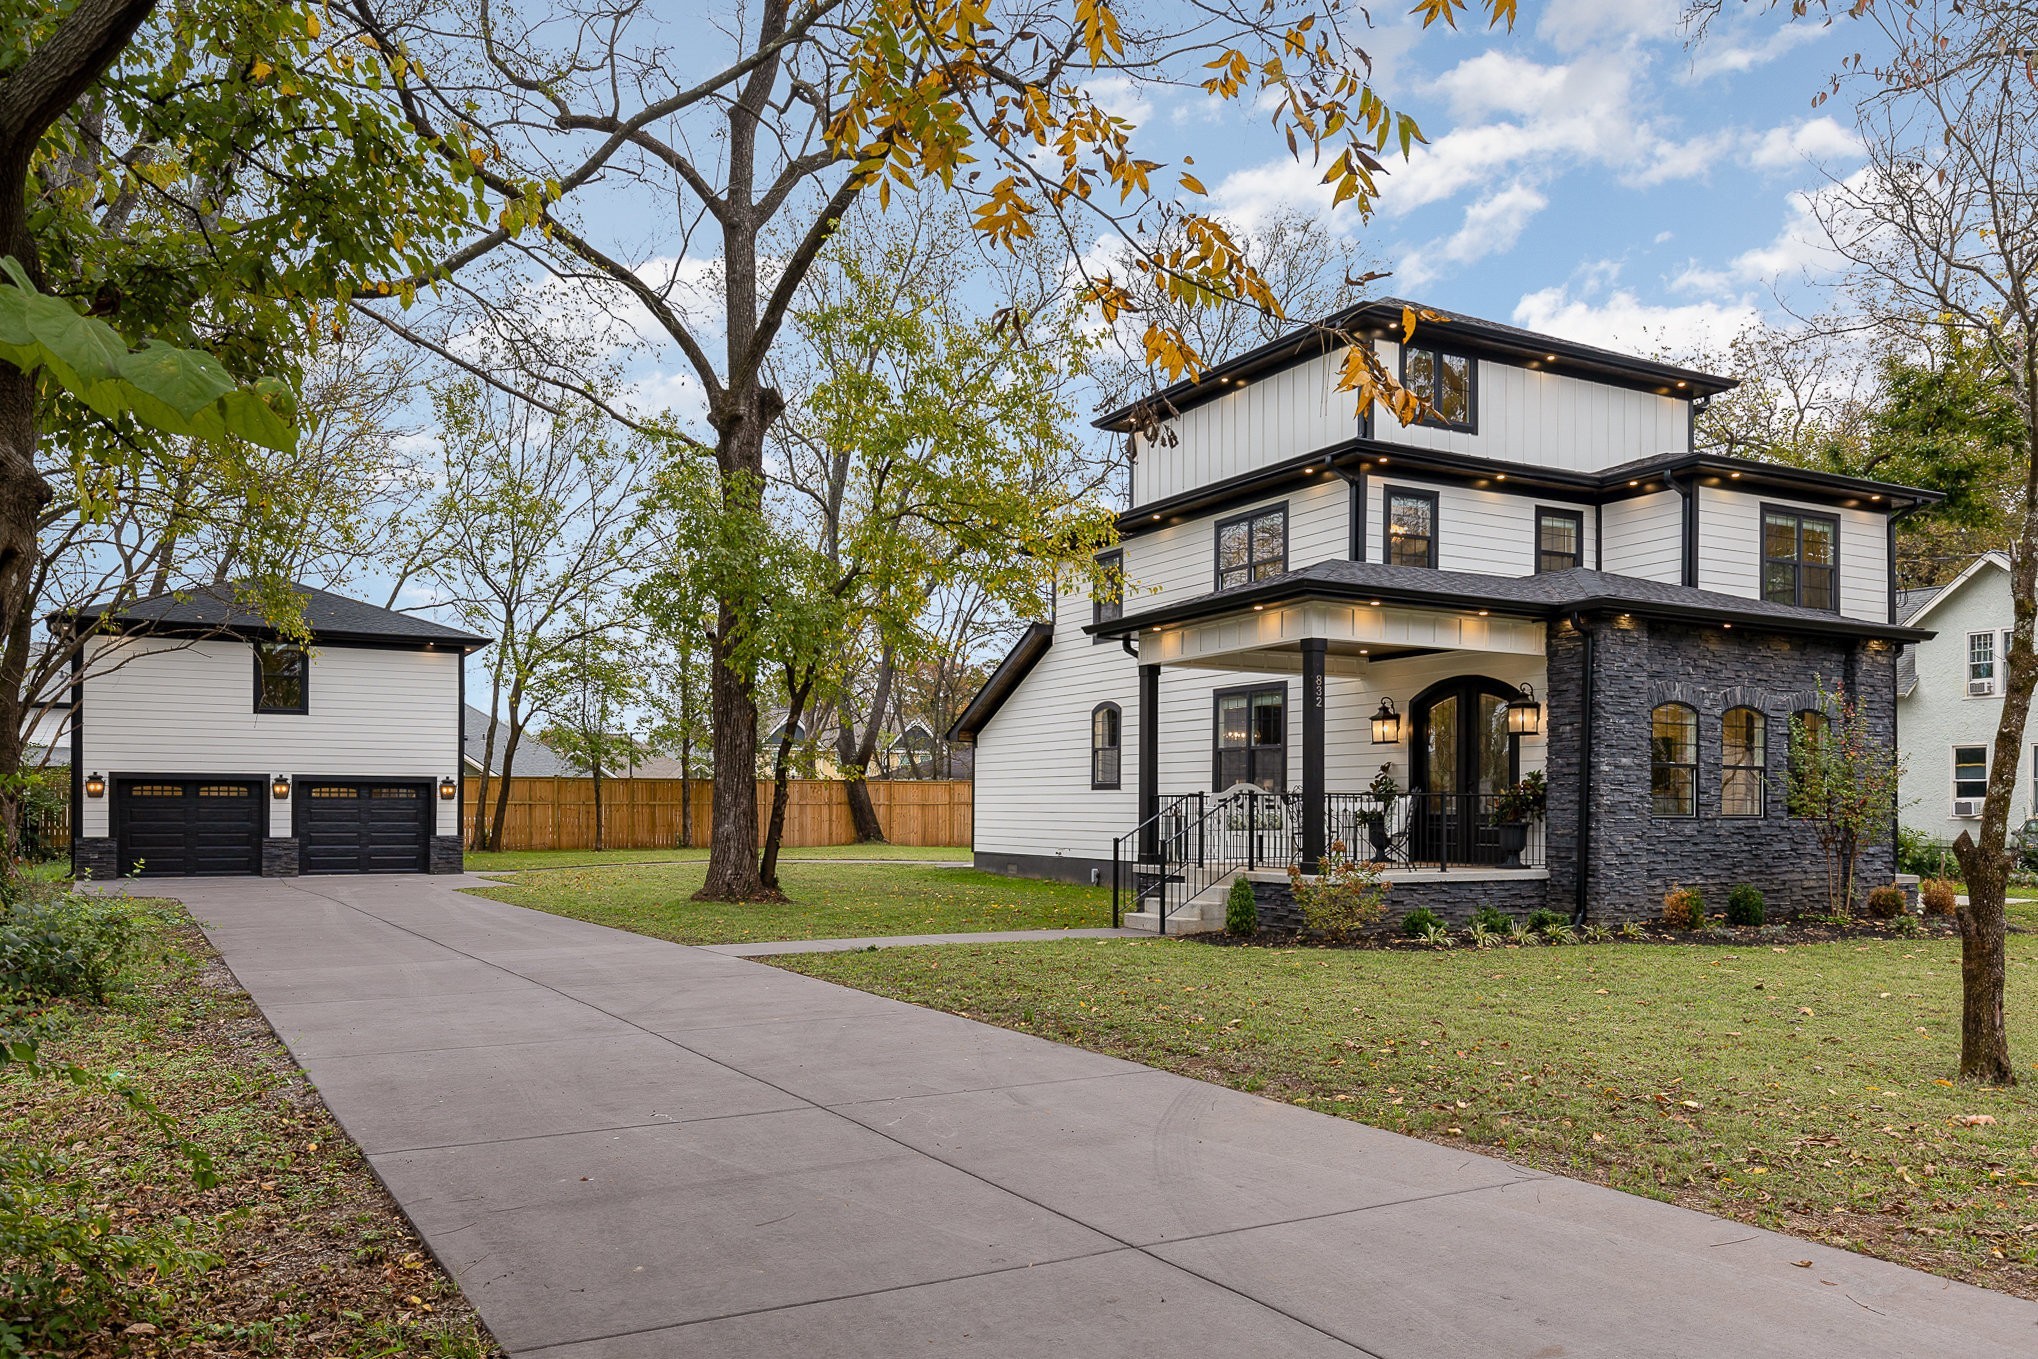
(95, 785)
(279, 787)
(1524, 714)
(449, 788)
(1386, 724)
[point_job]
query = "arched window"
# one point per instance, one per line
(1808, 727)
(1673, 761)
(1106, 728)
(1744, 752)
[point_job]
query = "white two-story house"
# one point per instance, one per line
(1388, 630)
(1950, 700)
(203, 743)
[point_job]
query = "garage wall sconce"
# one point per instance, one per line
(95, 785)
(279, 787)
(449, 788)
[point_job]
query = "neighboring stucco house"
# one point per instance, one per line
(203, 743)
(1545, 577)
(1950, 698)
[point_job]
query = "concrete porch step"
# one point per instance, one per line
(1192, 919)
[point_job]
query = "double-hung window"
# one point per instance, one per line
(1411, 537)
(282, 679)
(1252, 547)
(1107, 731)
(1446, 384)
(1744, 754)
(1560, 539)
(1981, 663)
(1673, 760)
(1970, 779)
(1801, 559)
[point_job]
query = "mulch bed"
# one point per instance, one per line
(1813, 931)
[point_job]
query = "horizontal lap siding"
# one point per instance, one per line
(1491, 532)
(1730, 549)
(1179, 562)
(1644, 536)
(155, 706)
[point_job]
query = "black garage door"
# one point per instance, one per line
(177, 827)
(363, 825)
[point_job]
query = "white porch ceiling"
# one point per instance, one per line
(1270, 639)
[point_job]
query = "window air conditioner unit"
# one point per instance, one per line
(1980, 688)
(1967, 808)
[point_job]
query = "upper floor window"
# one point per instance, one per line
(1673, 760)
(1981, 663)
(282, 679)
(1444, 382)
(1800, 559)
(1107, 727)
(1743, 754)
(1108, 604)
(1252, 547)
(1560, 539)
(1411, 538)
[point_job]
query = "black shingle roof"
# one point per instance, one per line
(329, 617)
(1549, 594)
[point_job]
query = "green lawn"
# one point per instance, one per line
(1803, 1088)
(829, 901)
(482, 861)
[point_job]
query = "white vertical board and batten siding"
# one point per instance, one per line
(1282, 415)
(170, 707)
(1730, 549)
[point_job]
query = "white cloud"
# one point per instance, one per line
(1793, 146)
(1247, 196)
(678, 392)
(1734, 45)
(1572, 24)
(1621, 320)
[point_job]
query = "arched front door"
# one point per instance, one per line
(1460, 757)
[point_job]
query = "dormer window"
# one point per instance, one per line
(1252, 547)
(1445, 382)
(282, 683)
(1800, 558)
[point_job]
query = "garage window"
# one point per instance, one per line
(282, 679)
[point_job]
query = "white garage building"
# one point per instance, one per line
(202, 742)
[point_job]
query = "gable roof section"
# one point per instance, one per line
(218, 611)
(1550, 594)
(1018, 663)
(534, 759)
(1381, 319)
(1986, 562)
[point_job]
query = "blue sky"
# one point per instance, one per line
(1588, 173)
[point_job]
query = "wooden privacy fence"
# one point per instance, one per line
(558, 813)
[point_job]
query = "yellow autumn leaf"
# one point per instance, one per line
(260, 70)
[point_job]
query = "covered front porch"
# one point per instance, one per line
(1411, 737)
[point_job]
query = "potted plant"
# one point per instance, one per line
(1384, 790)
(1515, 810)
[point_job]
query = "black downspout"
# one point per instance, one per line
(1149, 760)
(1689, 490)
(1587, 717)
(77, 747)
(1598, 536)
(1355, 544)
(460, 772)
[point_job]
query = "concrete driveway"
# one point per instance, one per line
(629, 1149)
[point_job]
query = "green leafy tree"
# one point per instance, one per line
(1844, 779)
(792, 113)
(585, 702)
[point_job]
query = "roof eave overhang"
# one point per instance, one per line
(1017, 665)
(465, 643)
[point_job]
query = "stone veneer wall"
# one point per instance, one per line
(280, 856)
(1453, 900)
(96, 857)
(446, 854)
(1634, 857)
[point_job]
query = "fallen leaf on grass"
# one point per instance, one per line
(1975, 1120)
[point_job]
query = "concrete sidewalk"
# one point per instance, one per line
(630, 1149)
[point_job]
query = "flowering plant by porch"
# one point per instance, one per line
(1341, 900)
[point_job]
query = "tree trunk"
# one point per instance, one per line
(600, 832)
(502, 786)
(853, 752)
(1984, 1036)
(781, 769)
(686, 750)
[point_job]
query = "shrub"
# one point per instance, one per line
(1421, 922)
(1684, 908)
(1542, 920)
(1596, 933)
(55, 945)
(1241, 910)
(1908, 925)
(1886, 903)
(1341, 901)
(1919, 853)
(1745, 906)
(1492, 918)
(1478, 936)
(1936, 896)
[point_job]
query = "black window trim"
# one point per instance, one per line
(1697, 761)
(1577, 518)
(1097, 600)
(1428, 421)
(1217, 697)
(1388, 495)
(1246, 517)
(1118, 783)
(1762, 557)
(1760, 766)
(303, 707)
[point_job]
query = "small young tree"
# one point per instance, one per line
(1844, 780)
(585, 700)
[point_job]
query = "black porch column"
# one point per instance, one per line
(1149, 759)
(1313, 651)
